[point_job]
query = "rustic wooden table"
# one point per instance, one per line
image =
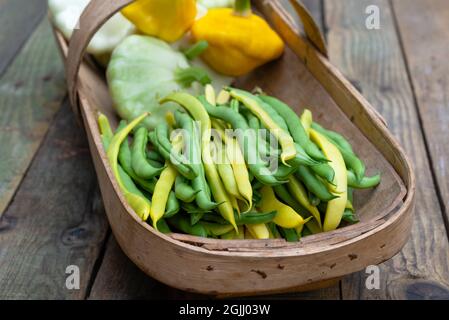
(51, 214)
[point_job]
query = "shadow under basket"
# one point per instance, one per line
(302, 77)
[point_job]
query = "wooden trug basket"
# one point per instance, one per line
(302, 77)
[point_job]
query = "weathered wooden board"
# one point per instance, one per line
(19, 18)
(31, 91)
(373, 60)
(37, 269)
(120, 279)
(54, 221)
(427, 52)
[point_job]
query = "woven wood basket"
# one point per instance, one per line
(302, 77)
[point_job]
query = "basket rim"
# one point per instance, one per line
(302, 248)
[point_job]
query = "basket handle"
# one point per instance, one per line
(311, 28)
(94, 16)
(99, 11)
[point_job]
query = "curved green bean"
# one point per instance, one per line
(164, 146)
(350, 217)
(166, 154)
(265, 149)
(295, 127)
(140, 165)
(235, 105)
(324, 171)
(302, 158)
(199, 183)
(364, 183)
(173, 205)
(124, 158)
(289, 234)
(182, 223)
(155, 156)
(252, 217)
(313, 184)
(255, 217)
(163, 227)
(183, 190)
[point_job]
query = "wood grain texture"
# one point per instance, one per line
(426, 51)
(373, 61)
(120, 279)
(18, 20)
(31, 92)
(54, 221)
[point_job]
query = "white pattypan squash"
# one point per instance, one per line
(65, 15)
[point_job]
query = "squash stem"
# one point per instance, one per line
(196, 50)
(242, 8)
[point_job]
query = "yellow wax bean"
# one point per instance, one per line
(225, 169)
(234, 203)
(240, 171)
(336, 207)
(217, 229)
(223, 97)
(286, 217)
(259, 231)
(307, 120)
(161, 193)
(210, 94)
(285, 140)
(299, 192)
(241, 233)
(164, 185)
